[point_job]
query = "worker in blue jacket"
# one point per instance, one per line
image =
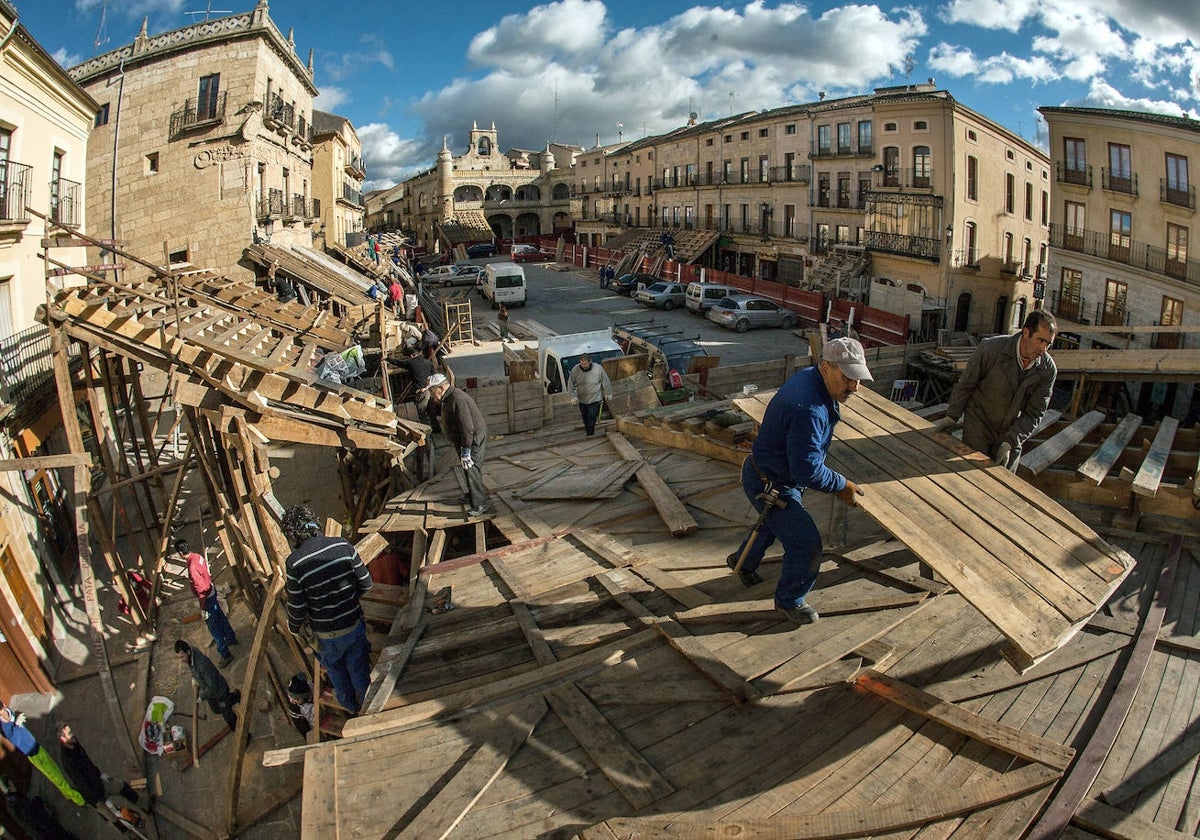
(12, 726)
(788, 457)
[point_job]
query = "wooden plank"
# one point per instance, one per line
(624, 766)
(161, 809)
(696, 652)
(1074, 789)
(533, 634)
(689, 596)
(1098, 466)
(46, 462)
(391, 662)
(1149, 476)
(1164, 764)
(927, 806)
(319, 813)
(1118, 825)
(673, 512)
(1013, 741)
(457, 796)
(1057, 446)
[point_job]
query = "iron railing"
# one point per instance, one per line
(1081, 176)
(196, 113)
(355, 164)
(64, 201)
(1127, 251)
(27, 363)
(1174, 192)
(351, 194)
(1122, 182)
(926, 248)
(271, 205)
(14, 192)
(280, 111)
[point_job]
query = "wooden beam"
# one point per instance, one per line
(1098, 466)
(391, 662)
(46, 462)
(1149, 475)
(1116, 824)
(673, 512)
(1057, 446)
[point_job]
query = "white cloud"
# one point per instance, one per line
(389, 157)
(1103, 95)
(991, 14)
(999, 69)
(342, 66)
(64, 58)
(523, 42)
(330, 99)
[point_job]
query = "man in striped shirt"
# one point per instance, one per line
(325, 579)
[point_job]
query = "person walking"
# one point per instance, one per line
(420, 368)
(787, 458)
(588, 385)
(85, 776)
(200, 580)
(502, 320)
(1004, 390)
(210, 685)
(463, 424)
(12, 727)
(325, 580)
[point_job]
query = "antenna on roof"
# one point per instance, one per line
(101, 34)
(209, 12)
(910, 64)
(620, 133)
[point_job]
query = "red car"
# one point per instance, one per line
(529, 253)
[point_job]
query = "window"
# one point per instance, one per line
(764, 132)
(864, 136)
(1170, 315)
(972, 178)
(5, 147)
(1119, 160)
(745, 135)
(1074, 154)
(728, 138)
(972, 136)
(823, 189)
(1028, 201)
(843, 190)
(864, 187)
(969, 255)
(1070, 289)
(789, 220)
(789, 129)
(1177, 172)
(152, 163)
(920, 125)
(1008, 251)
(1120, 225)
(890, 127)
(727, 171)
(789, 166)
(1177, 249)
(745, 218)
(1045, 208)
(708, 141)
(891, 166)
(1116, 294)
(101, 116)
(206, 99)
(843, 138)
(56, 185)
(823, 139)
(764, 171)
(1010, 189)
(1008, 154)
(922, 167)
(744, 163)
(1073, 219)
(1026, 257)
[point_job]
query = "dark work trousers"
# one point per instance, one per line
(475, 475)
(590, 412)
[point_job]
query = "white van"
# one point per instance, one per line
(558, 354)
(504, 282)
(701, 296)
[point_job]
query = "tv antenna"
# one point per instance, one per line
(101, 34)
(909, 65)
(620, 133)
(732, 95)
(208, 12)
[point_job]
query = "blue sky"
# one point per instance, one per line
(407, 74)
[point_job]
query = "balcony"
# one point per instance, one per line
(1010, 267)
(314, 208)
(351, 195)
(26, 363)
(922, 247)
(795, 173)
(197, 113)
(1069, 306)
(1126, 251)
(64, 202)
(279, 114)
(355, 167)
(1179, 194)
(271, 206)
(818, 152)
(1079, 175)
(296, 207)
(907, 178)
(14, 193)
(1122, 182)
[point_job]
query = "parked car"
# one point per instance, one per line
(468, 275)
(481, 249)
(662, 295)
(529, 253)
(627, 284)
(438, 274)
(742, 312)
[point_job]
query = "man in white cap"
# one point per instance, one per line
(464, 426)
(788, 457)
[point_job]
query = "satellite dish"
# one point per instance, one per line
(693, 115)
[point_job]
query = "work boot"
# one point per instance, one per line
(476, 512)
(747, 578)
(798, 613)
(225, 660)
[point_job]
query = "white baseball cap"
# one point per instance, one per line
(434, 381)
(850, 358)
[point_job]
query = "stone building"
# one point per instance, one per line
(1124, 206)
(338, 173)
(45, 118)
(204, 142)
(487, 194)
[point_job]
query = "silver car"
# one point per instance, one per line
(742, 312)
(662, 295)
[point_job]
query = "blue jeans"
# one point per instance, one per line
(346, 659)
(801, 540)
(590, 412)
(218, 624)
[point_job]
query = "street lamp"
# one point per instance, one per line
(765, 208)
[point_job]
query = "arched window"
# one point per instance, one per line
(485, 146)
(962, 312)
(561, 191)
(922, 167)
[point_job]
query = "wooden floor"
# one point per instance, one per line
(599, 677)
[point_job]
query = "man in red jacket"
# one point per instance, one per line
(201, 582)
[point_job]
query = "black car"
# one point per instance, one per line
(481, 249)
(627, 284)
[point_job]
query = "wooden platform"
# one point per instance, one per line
(601, 678)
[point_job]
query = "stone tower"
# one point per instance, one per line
(445, 182)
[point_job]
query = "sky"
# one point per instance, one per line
(408, 74)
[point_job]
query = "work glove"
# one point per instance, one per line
(204, 614)
(574, 400)
(945, 425)
(465, 456)
(19, 720)
(1003, 453)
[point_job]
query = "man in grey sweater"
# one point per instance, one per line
(588, 383)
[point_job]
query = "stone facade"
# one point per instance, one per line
(208, 142)
(518, 192)
(338, 172)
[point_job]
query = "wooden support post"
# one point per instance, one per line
(164, 538)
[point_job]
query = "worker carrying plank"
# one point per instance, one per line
(1005, 390)
(787, 458)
